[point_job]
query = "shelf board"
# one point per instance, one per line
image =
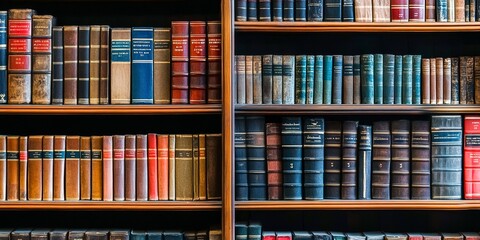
(110, 109)
(108, 206)
(356, 27)
(360, 205)
(348, 109)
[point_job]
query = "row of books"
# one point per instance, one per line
(129, 167)
(357, 10)
(106, 234)
(356, 79)
(314, 158)
(98, 64)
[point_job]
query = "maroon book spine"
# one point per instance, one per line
(416, 10)
(214, 56)
(119, 167)
(180, 54)
(152, 167)
(430, 11)
(274, 162)
(399, 10)
(130, 146)
(142, 168)
(198, 62)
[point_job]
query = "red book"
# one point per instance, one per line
(214, 46)
(268, 235)
(274, 163)
(414, 236)
(142, 168)
(284, 236)
(399, 10)
(416, 10)
(198, 62)
(130, 146)
(152, 167)
(472, 157)
(107, 168)
(162, 156)
(119, 167)
(180, 54)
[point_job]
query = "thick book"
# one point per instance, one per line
(240, 75)
(441, 10)
(252, 8)
(142, 65)
(300, 10)
(94, 64)
(288, 79)
(277, 10)
(476, 79)
(348, 10)
(70, 67)
(292, 158)
(264, 10)
(363, 10)
(179, 62)
(12, 168)
(41, 58)
(425, 81)
(3, 167)
(59, 142)
(420, 150)
(349, 159)
(97, 168)
(130, 167)
(430, 11)
(59, 234)
(21, 234)
(213, 142)
(39, 234)
(313, 157)
(367, 78)
(3, 57)
(332, 11)
(152, 164)
(310, 79)
(183, 167)
(107, 157)
(288, 10)
(254, 231)
(447, 153)
(314, 10)
(161, 65)
(257, 79)
(118, 234)
(256, 162)
(118, 167)
(83, 70)
(416, 10)
(142, 167)
(96, 234)
(267, 79)
(273, 148)
(241, 10)
(381, 10)
(72, 168)
(400, 162)
(120, 64)
(85, 168)
(34, 164)
(104, 84)
(198, 62)
(241, 230)
(364, 162)
(162, 157)
(277, 82)
(77, 234)
(333, 157)
(241, 169)
(214, 63)
(471, 162)
(23, 167)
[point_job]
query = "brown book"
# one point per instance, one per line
(142, 168)
(198, 62)
(202, 167)
(184, 167)
(459, 10)
(59, 167)
(3, 167)
(97, 168)
(447, 81)
(476, 78)
(214, 53)
(70, 59)
(433, 81)
(426, 81)
(214, 166)
(12, 168)
(180, 54)
(162, 156)
(94, 64)
(196, 163)
(120, 65)
(119, 167)
(23, 166)
(104, 65)
(130, 158)
(41, 59)
(161, 65)
(274, 160)
(47, 168)
(171, 167)
(439, 79)
(35, 167)
(72, 168)
(462, 73)
(349, 160)
(430, 11)
(107, 158)
(85, 168)
(400, 163)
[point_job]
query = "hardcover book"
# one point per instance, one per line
(120, 57)
(72, 168)
(97, 167)
(161, 65)
(142, 65)
(70, 53)
(104, 84)
(198, 62)
(273, 147)
(471, 160)
(94, 64)
(83, 70)
(349, 159)
(59, 167)
(34, 176)
(3, 57)
(130, 167)
(400, 165)
(292, 158)
(333, 156)
(420, 150)
(214, 63)
(41, 58)
(256, 162)
(179, 62)
(313, 157)
(118, 167)
(85, 168)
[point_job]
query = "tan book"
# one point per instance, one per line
(107, 157)
(97, 168)
(47, 168)
(363, 10)
(425, 81)
(72, 168)
(171, 167)
(70, 60)
(104, 87)
(130, 167)
(23, 167)
(41, 58)
(161, 65)
(120, 65)
(118, 167)
(202, 167)
(35, 167)
(447, 81)
(142, 168)
(439, 78)
(183, 167)
(94, 64)
(59, 142)
(460, 10)
(3, 167)
(12, 168)
(214, 166)
(85, 168)
(381, 10)
(433, 81)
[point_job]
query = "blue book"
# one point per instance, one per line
(313, 157)
(172, 235)
(83, 65)
(252, 10)
(256, 162)
(57, 65)
(300, 79)
(154, 235)
(378, 79)
(300, 10)
(292, 157)
(327, 79)
(407, 78)
(333, 10)
(310, 79)
(367, 81)
(302, 235)
(348, 11)
(332, 159)
(397, 79)
(142, 65)
(277, 10)
(388, 78)
(417, 79)
(264, 10)
(364, 162)
(441, 10)
(337, 79)
(318, 80)
(338, 236)
(3, 56)
(241, 10)
(288, 10)
(254, 231)
(241, 231)
(315, 10)
(241, 169)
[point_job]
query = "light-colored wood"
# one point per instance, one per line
(356, 27)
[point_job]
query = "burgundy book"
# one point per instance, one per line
(198, 62)
(107, 153)
(152, 167)
(130, 158)
(416, 11)
(399, 10)
(274, 160)
(119, 167)
(70, 58)
(23, 165)
(214, 56)
(180, 54)
(471, 157)
(142, 168)
(162, 156)
(3, 167)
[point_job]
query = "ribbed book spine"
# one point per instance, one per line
(152, 166)
(425, 81)
(471, 162)
(288, 10)
(41, 59)
(83, 64)
(363, 10)
(273, 149)
(300, 10)
(407, 71)
(95, 64)
(171, 167)
(327, 79)
(198, 62)
(72, 168)
(439, 79)
(107, 157)
(277, 83)
(333, 10)
(378, 79)
(367, 76)
(433, 81)
(161, 65)
(70, 48)
(241, 10)
(183, 167)
(241, 170)
(277, 10)
(447, 80)
(130, 167)
(34, 176)
(441, 10)
(388, 78)
(348, 11)
(12, 183)
(23, 166)
(267, 76)
(214, 63)
(97, 168)
(398, 79)
(420, 150)
(3, 57)
(264, 10)
(318, 80)
(59, 167)
(337, 79)
(142, 168)
(381, 159)
(104, 70)
(430, 11)
(314, 10)
(121, 65)
(400, 166)
(381, 10)
(333, 156)
(292, 158)
(119, 167)
(252, 9)
(142, 65)
(399, 11)
(256, 162)
(257, 79)
(364, 162)
(310, 79)
(313, 157)
(347, 85)
(179, 62)
(455, 81)
(416, 11)
(240, 79)
(85, 168)
(357, 79)
(349, 159)
(416, 79)
(300, 79)
(162, 157)
(288, 79)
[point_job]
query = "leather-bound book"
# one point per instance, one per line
(430, 11)
(97, 168)
(471, 162)
(416, 11)
(120, 57)
(337, 80)
(407, 79)
(426, 81)
(417, 79)
(415, 236)
(180, 60)
(397, 79)
(83, 71)
(420, 150)
(256, 163)
(300, 79)
(400, 11)
(39, 234)
(476, 78)
(72, 168)
(12, 168)
(96, 235)
(195, 173)
(119, 234)
(107, 157)
(313, 157)
(363, 10)
(292, 158)
(277, 91)
(273, 148)
(41, 58)
(104, 85)
(349, 159)
(76, 234)
(400, 165)
(321, 235)
(241, 165)
(395, 236)
(367, 76)
(240, 74)
(431, 236)
(47, 168)
(152, 167)
(161, 65)
(19, 34)
(288, 80)
(162, 157)
(23, 167)
(264, 10)
(70, 67)
(214, 64)
(267, 84)
(364, 162)
(142, 168)
(452, 236)
(3, 57)
(154, 235)
(3, 167)
(130, 167)
(347, 91)
(58, 234)
(241, 10)
(94, 64)
(439, 78)
(57, 65)
(471, 235)
(202, 168)
(356, 79)
(302, 235)
(184, 167)
(381, 10)
(214, 166)
(171, 167)
(85, 168)
(254, 231)
(34, 176)
(142, 65)
(374, 235)
(59, 167)
(198, 62)
(333, 157)
(389, 78)
(381, 159)
(433, 81)
(21, 234)
(118, 167)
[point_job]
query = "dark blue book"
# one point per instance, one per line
(337, 79)
(315, 10)
(142, 65)
(357, 99)
(256, 162)
(349, 159)
(241, 170)
(381, 159)
(348, 11)
(254, 231)
(447, 153)
(310, 79)
(42, 234)
(57, 65)
(333, 10)
(3, 57)
(421, 166)
(321, 235)
(172, 235)
(252, 10)
(300, 79)
(327, 79)
(347, 92)
(292, 158)
(455, 81)
(83, 66)
(302, 235)
(364, 162)
(367, 76)
(400, 163)
(398, 79)
(441, 10)
(378, 79)
(300, 10)
(333, 156)
(318, 80)
(264, 10)
(388, 78)
(407, 78)
(277, 10)
(313, 157)
(241, 231)
(417, 79)
(288, 10)
(241, 10)
(154, 235)
(354, 236)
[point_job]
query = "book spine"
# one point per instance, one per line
(433, 81)
(59, 167)
(23, 167)
(425, 81)
(378, 78)
(171, 167)
(388, 78)
(83, 64)
(47, 168)
(348, 11)
(455, 81)
(364, 162)
(476, 79)
(142, 65)
(72, 168)
(333, 156)
(161, 65)
(398, 79)
(381, 160)
(12, 159)
(183, 167)
(315, 10)
(420, 150)
(241, 10)
(120, 64)
(407, 79)
(214, 59)
(118, 167)
(256, 162)
(381, 10)
(241, 170)
(180, 60)
(313, 157)
(41, 59)
(97, 168)
(107, 157)
(85, 168)
(471, 10)
(3, 58)
(214, 171)
(416, 10)
(441, 9)
(152, 167)
(471, 163)
(34, 163)
(257, 79)
(349, 159)
(399, 11)
(252, 9)
(439, 79)
(277, 10)
(292, 158)
(300, 10)
(447, 80)
(363, 10)
(162, 155)
(337, 79)
(104, 70)
(400, 166)
(459, 9)
(3, 167)
(430, 11)
(347, 92)
(267, 76)
(198, 62)
(416, 79)
(273, 147)
(318, 80)
(264, 10)
(142, 168)
(300, 79)
(288, 79)
(70, 44)
(367, 78)
(240, 73)
(333, 10)
(130, 167)
(356, 79)
(277, 83)
(288, 10)
(202, 159)
(196, 167)
(94, 64)
(310, 79)
(327, 78)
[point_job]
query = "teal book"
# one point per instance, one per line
(417, 79)
(378, 79)
(310, 79)
(407, 78)
(256, 162)
(154, 235)
(288, 79)
(173, 235)
(327, 79)
(241, 231)
(318, 80)
(388, 78)
(241, 170)
(337, 79)
(347, 93)
(367, 79)
(254, 231)
(138, 235)
(338, 236)
(398, 79)
(300, 79)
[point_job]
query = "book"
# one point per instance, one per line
(426, 81)
(313, 157)
(41, 58)
(333, 156)
(314, 10)
(3, 167)
(277, 82)
(378, 78)
(83, 70)
(57, 65)
(337, 79)
(141, 167)
(273, 148)
(356, 79)
(300, 79)
(240, 73)
(107, 157)
(433, 81)
(198, 62)
(249, 79)
(23, 167)
(97, 168)
(367, 79)
(161, 65)
(349, 160)
(202, 168)
(420, 150)
(407, 79)
(70, 67)
(363, 10)
(152, 166)
(257, 79)
(104, 70)
(34, 163)
(214, 66)
(300, 10)
(252, 9)
(400, 11)
(142, 65)
(327, 78)
(416, 10)
(241, 165)
(179, 62)
(94, 64)
(254, 231)
(288, 79)
(388, 78)
(416, 79)
(130, 167)
(318, 80)
(398, 80)
(184, 167)
(364, 162)
(120, 64)
(288, 10)
(72, 168)
(292, 157)
(310, 79)
(347, 92)
(455, 81)
(439, 79)
(118, 148)
(85, 168)
(381, 10)
(80, 234)
(59, 155)
(264, 10)
(332, 11)
(267, 79)
(241, 10)
(400, 161)
(213, 142)
(162, 157)
(441, 10)
(430, 11)
(277, 10)
(470, 151)
(256, 162)
(3, 57)
(171, 167)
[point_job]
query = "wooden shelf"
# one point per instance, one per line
(108, 206)
(360, 205)
(348, 109)
(111, 109)
(356, 27)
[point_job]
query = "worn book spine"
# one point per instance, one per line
(142, 65)
(455, 81)
(23, 167)
(460, 7)
(314, 10)
(34, 163)
(364, 162)
(249, 79)
(241, 169)
(202, 167)
(349, 160)
(94, 64)
(213, 143)
(252, 9)
(337, 79)
(152, 166)
(142, 168)
(277, 82)
(313, 157)
(104, 84)
(433, 81)
(120, 57)
(348, 10)
(425, 81)
(367, 78)
(3, 167)
(300, 79)
(400, 165)
(59, 167)
(347, 92)
(292, 158)
(381, 10)
(471, 160)
(310, 79)
(240, 76)
(107, 157)
(267, 75)
(388, 78)
(256, 162)
(118, 167)
(462, 72)
(257, 79)
(356, 79)
(288, 79)
(430, 11)
(333, 156)
(196, 162)
(327, 78)
(273, 157)
(264, 10)
(439, 79)
(85, 168)
(171, 167)
(416, 10)
(300, 10)
(420, 150)
(72, 168)
(97, 168)
(162, 157)
(83, 65)
(184, 167)
(70, 45)
(363, 10)
(441, 10)
(381, 159)
(198, 62)
(241, 10)
(318, 80)
(130, 167)
(3, 57)
(447, 80)
(407, 79)
(41, 58)
(476, 79)
(333, 11)
(378, 78)
(179, 62)
(398, 79)
(161, 65)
